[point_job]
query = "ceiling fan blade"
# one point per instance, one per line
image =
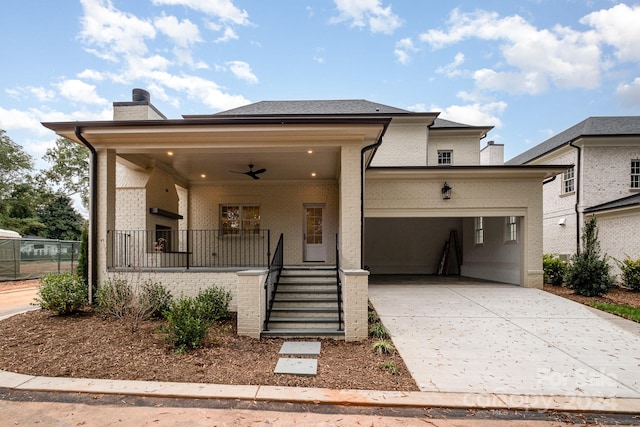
(260, 171)
(253, 175)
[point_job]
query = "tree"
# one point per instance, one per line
(588, 273)
(61, 220)
(69, 169)
(19, 211)
(15, 165)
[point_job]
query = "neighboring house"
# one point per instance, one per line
(339, 189)
(602, 179)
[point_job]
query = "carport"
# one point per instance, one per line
(496, 212)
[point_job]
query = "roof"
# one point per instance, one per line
(593, 126)
(9, 234)
(314, 107)
(624, 202)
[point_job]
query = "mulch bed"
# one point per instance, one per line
(616, 295)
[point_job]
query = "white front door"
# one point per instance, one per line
(314, 246)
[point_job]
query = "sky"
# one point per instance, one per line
(530, 68)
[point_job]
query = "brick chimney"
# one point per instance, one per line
(492, 154)
(139, 108)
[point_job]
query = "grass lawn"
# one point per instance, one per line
(622, 310)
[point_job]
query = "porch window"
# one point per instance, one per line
(568, 181)
(239, 219)
(479, 230)
(445, 157)
(635, 173)
(511, 230)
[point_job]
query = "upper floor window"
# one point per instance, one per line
(635, 173)
(511, 229)
(568, 181)
(479, 230)
(445, 157)
(240, 219)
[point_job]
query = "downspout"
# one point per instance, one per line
(363, 168)
(577, 209)
(93, 211)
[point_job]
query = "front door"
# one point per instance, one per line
(314, 247)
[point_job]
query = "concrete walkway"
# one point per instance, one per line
(17, 301)
(508, 341)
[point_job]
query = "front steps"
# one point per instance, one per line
(305, 304)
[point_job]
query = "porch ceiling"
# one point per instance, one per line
(200, 151)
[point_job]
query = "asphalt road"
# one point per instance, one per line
(17, 301)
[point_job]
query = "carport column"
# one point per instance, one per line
(350, 197)
(251, 302)
(355, 299)
(531, 270)
(106, 211)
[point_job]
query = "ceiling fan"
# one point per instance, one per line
(253, 174)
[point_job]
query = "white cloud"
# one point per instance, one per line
(16, 119)
(537, 58)
(227, 35)
(418, 108)
(222, 9)
(403, 50)
(619, 28)
(79, 91)
(183, 33)
(370, 13)
(242, 71)
(451, 69)
(474, 114)
(112, 31)
(628, 94)
(91, 75)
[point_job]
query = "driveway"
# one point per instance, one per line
(17, 301)
(478, 337)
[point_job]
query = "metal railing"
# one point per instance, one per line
(273, 277)
(338, 285)
(23, 259)
(186, 249)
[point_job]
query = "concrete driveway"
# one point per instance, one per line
(477, 337)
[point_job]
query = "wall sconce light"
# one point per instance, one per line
(446, 191)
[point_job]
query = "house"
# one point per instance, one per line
(263, 197)
(602, 179)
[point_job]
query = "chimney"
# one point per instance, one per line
(139, 108)
(492, 154)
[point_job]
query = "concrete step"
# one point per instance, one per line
(303, 323)
(307, 311)
(311, 332)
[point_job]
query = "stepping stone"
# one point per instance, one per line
(300, 348)
(292, 366)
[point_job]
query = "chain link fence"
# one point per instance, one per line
(23, 259)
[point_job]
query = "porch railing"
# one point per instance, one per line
(273, 277)
(157, 249)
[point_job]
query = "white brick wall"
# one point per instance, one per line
(404, 145)
(607, 170)
(466, 149)
(619, 237)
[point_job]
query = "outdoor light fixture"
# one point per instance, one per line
(446, 191)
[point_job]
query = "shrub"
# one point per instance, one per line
(383, 346)
(213, 304)
(630, 273)
(185, 328)
(63, 293)
(378, 330)
(588, 273)
(390, 367)
(158, 299)
(554, 269)
(114, 298)
(82, 270)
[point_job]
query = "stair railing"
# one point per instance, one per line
(273, 277)
(338, 286)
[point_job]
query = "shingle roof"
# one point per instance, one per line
(620, 203)
(593, 126)
(311, 107)
(442, 123)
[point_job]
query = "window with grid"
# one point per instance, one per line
(479, 230)
(511, 229)
(568, 181)
(635, 173)
(240, 219)
(445, 157)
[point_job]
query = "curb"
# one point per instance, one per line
(322, 396)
